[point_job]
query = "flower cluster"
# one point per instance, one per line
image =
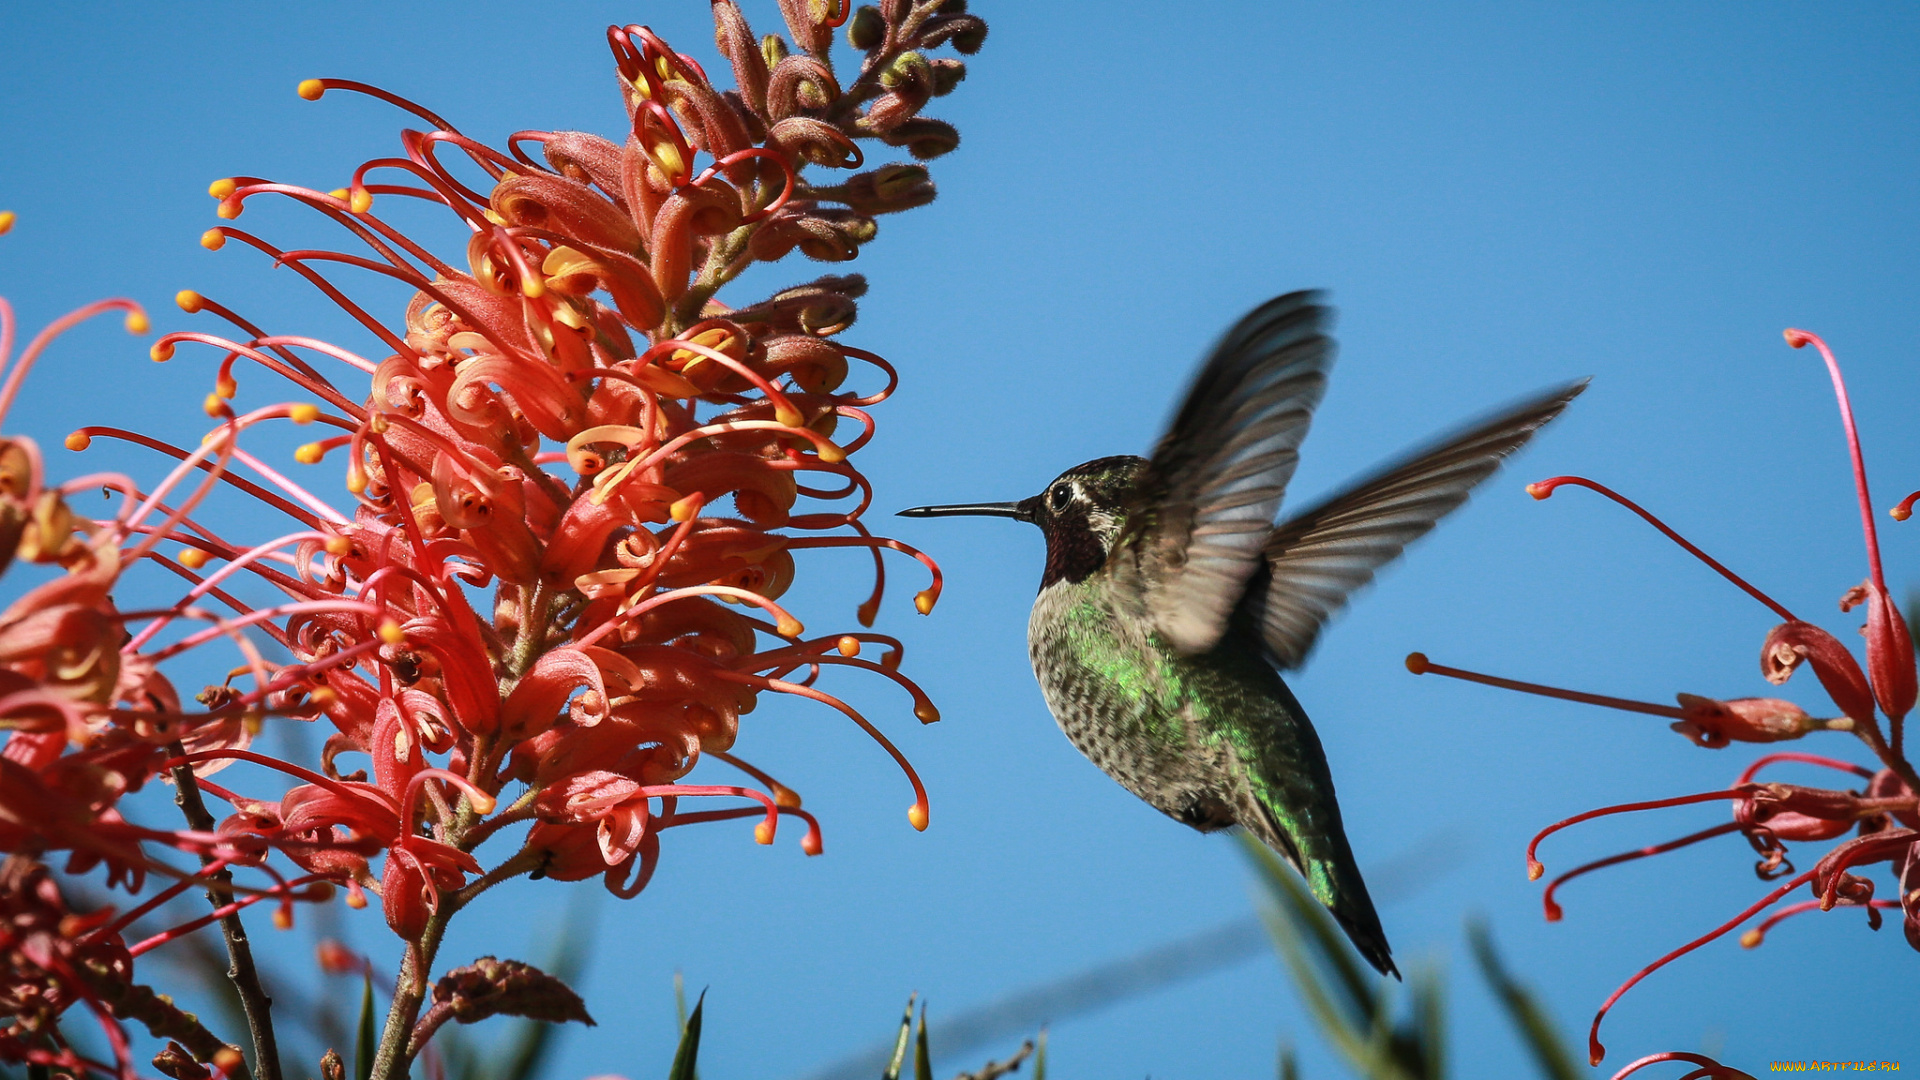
(579, 483)
(1881, 813)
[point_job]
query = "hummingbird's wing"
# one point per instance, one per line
(1316, 559)
(1202, 508)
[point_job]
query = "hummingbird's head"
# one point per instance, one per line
(1081, 514)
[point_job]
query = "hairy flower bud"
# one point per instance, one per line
(924, 137)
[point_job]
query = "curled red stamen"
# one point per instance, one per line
(1534, 867)
(1553, 911)
(1544, 488)
(1597, 1052)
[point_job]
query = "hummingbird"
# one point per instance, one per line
(1170, 602)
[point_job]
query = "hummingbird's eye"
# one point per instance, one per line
(1059, 497)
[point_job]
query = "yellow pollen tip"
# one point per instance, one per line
(338, 545)
(213, 239)
(810, 844)
(763, 833)
(226, 387)
(229, 209)
(786, 416)
(304, 414)
(927, 714)
(222, 187)
(1797, 338)
(848, 645)
(360, 201)
(1417, 663)
(917, 816)
(1751, 939)
(391, 633)
(788, 626)
(215, 404)
(227, 1058)
(482, 802)
(161, 352)
(356, 899)
(324, 696)
(1534, 870)
(786, 797)
(832, 454)
(7, 218)
(79, 440)
(311, 89)
(1900, 513)
(1539, 491)
(193, 558)
(282, 919)
(684, 509)
(189, 301)
(923, 601)
(378, 423)
(356, 482)
(309, 453)
(533, 288)
(137, 322)
(338, 193)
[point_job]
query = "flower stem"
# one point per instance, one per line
(254, 1002)
(391, 1060)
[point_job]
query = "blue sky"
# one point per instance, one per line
(1500, 196)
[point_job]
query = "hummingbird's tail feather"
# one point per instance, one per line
(1334, 879)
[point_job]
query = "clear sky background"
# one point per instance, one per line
(1500, 196)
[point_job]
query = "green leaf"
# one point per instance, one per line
(1529, 1017)
(922, 1060)
(899, 1057)
(1289, 1068)
(686, 1058)
(365, 1045)
(1291, 897)
(1040, 1058)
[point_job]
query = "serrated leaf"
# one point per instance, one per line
(899, 1057)
(686, 1059)
(492, 987)
(1528, 1016)
(364, 1045)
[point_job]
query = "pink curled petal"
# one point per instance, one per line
(1791, 642)
(536, 703)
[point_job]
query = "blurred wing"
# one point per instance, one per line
(1318, 558)
(1203, 507)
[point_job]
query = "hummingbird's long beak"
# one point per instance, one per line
(1017, 511)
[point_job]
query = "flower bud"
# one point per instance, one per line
(924, 138)
(866, 30)
(1712, 723)
(1791, 642)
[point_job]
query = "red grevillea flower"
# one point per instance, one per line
(580, 486)
(1882, 813)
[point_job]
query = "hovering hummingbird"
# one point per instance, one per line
(1170, 601)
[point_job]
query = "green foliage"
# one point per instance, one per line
(686, 1058)
(1354, 1010)
(367, 1039)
